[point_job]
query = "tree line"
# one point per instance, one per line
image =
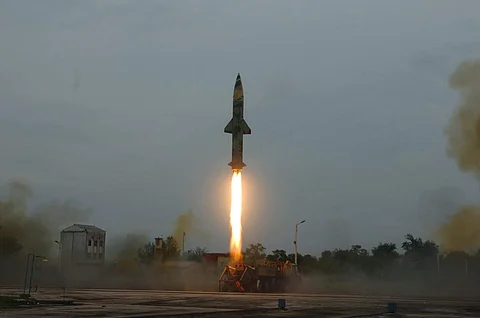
(171, 251)
(383, 260)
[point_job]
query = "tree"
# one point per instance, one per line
(419, 253)
(385, 251)
(278, 256)
(307, 263)
(383, 255)
(430, 249)
(326, 255)
(255, 251)
(411, 244)
(418, 247)
(196, 254)
(146, 253)
(327, 263)
(171, 248)
(9, 246)
(358, 250)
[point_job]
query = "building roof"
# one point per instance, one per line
(82, 228)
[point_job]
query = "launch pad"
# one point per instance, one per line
(152, 303)
(265, 277)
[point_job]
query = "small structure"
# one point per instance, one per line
(81, 245)
(159, 251)
(216, 262)
(217, 259)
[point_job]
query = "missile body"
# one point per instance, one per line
(237, 127)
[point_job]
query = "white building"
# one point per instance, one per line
(82, 245)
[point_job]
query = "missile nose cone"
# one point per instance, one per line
(238, 82)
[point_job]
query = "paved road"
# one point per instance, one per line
(152, 303)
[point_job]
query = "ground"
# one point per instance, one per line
(152, 303)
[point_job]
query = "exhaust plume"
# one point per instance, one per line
(236, 218)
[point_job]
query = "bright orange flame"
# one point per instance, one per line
(236, 218)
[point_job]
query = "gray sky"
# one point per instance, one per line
(122, 104)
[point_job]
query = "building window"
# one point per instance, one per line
(95, 243)
(100, 243)
(89, 242)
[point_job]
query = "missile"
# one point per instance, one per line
(237, 127)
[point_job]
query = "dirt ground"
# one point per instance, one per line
(151, 303)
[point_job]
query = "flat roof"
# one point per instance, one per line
(82, 228)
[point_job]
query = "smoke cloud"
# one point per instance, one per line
(462, 230)
(35, 231)
(436, 206)
(463, 130)
(189, 224)
(126, 247)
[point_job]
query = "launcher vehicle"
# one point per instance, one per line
(267, 277)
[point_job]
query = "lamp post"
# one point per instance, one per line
(295, 242)
(30, 265)
(183, 245)
(438, 263)
(59, 256)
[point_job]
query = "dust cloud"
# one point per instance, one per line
(126, 247)
(463, 130)
(189, 224)
(23, 231)
(461, 231)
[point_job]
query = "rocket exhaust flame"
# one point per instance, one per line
(236, 217)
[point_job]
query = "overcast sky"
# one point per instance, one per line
(121, 105)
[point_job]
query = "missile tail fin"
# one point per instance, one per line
(229, 128)
(245, 128)
(237, 166)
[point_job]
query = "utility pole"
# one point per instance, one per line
(1, 245)
(59, 256)
(30, 267)
(438, 262)
(295, 242)
(183, 244)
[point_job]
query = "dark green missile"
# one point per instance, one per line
(237, 126)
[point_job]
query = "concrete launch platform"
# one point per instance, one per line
(151, 303)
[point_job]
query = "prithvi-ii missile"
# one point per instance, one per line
(237, 127)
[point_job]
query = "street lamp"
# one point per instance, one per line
(30, 265)
(183, 245)
(296, 237)
(438, 262)
(59, 255)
